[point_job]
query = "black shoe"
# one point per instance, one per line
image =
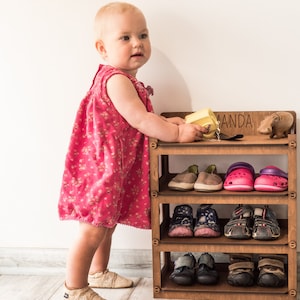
(241, 270)
(271, 271)
(207, 273)
(184, 270)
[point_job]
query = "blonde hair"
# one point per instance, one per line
(106, 11)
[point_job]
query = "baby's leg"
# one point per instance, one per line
(100, 276)
(101, 256)
(81, 254)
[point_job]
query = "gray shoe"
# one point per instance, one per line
(184, 181)
(207, 273)
(184, 270)
(265, 226)
(208, 180)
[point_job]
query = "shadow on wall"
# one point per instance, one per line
(170, 90)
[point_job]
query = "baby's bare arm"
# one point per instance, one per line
(126, 100)
(175, 120)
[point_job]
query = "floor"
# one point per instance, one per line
(50, 287)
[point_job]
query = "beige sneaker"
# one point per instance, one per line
(208, 180)
(109, 280)
(185, 180)
(81, 294)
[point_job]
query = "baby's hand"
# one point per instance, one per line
(190, 132)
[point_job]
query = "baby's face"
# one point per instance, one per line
(126, 41)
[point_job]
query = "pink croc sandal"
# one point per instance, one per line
(239, 177)
(271, 179)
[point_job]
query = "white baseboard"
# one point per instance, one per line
(35, 261)
(25, 261)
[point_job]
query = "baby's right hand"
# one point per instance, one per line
(190, 132)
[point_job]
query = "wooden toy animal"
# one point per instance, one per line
(277, 125)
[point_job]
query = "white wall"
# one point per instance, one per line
(228, 55)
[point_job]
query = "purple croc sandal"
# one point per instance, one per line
(271, 179)
(239, 177)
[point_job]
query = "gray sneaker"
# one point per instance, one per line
(184, 181)
(184, 270)
(208, 180)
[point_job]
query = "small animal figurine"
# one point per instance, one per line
(277, 125)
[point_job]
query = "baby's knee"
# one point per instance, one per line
(94, 235)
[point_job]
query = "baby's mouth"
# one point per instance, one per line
(136, 54)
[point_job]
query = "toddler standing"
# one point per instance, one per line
(106, 176)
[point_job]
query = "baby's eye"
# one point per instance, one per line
(125, 38)
(143, 36)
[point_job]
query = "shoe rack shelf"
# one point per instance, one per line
(252, 144)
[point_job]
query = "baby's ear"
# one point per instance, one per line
(101, 48)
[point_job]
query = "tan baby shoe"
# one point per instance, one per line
(81, 294)
(109, 280)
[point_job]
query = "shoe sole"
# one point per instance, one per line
(200, 187)
(181, 232)
(183, 280)
(265, 237)
(181, 186)
(268, 188)
(237, 236)
(238, 188)
(206, 232)
(207, 279)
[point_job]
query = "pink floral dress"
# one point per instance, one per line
(106, 176)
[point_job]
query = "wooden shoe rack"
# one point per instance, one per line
(252, 144)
